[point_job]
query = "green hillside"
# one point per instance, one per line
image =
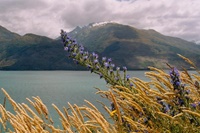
(136, 48)
(127, 46)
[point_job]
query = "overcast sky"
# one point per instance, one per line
(179, 18)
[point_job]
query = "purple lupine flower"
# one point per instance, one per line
(180, 102)
(81, 48)
(131, 84)
(93, 54)
(193, 105)
(66, 42)
(178, 83)
(109, 60)
(97, 56)
(85, 58)
(127, 77)
(174, 74)
(86, 53)
(81, 52)
(69, 38)
(112, 65)
(118, 68)
(106, 64)
(74, 54)
(166, 107)
(103, 58)
(71, 49)
(69, 45)
(66, 48)
(74, 41)
(96, 61)
(76, 61)
(88, 66)
(124, 69)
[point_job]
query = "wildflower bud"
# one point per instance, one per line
(71, 49)
(95, 61)
(193, 105)
(96, 56)
(69, 45)
(85, 58)
(81, 48)
(74, 54)
(180, 102)
(86, 53)
(74, 41)
(124, 69)
(109, 60)
(178, 83)
(88, 66)
(106, 64)
(127, 77)
(76, 61)
(104, 59)
(66, 48)
(112, 65)
(93, 54)
(81, 52)
(174, 75)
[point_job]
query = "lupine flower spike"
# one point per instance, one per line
(92, 62)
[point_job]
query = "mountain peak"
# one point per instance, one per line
(6, 34)
(101, 23)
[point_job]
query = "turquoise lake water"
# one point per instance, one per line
(58, 87)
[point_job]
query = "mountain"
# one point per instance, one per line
(126, 45)
(135, 48)
(32, 52)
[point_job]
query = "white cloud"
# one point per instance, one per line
(179, 18)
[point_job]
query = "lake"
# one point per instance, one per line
(58, 87)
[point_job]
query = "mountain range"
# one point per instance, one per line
(126, 45)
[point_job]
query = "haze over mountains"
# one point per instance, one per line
(127, 46)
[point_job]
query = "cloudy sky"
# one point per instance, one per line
(179, 18)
